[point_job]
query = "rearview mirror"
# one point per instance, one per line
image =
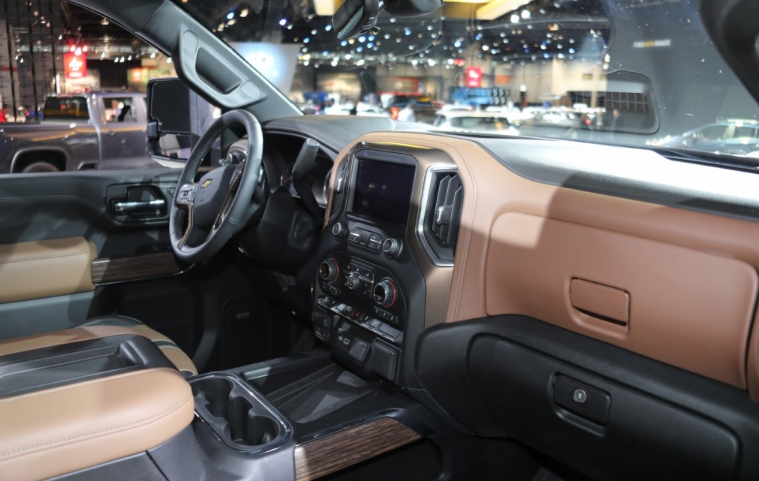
(356, 17)
(176, 119)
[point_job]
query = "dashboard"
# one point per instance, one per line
(491, 279)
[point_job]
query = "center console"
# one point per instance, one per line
(367, 272)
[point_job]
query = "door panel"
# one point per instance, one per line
(57, 230)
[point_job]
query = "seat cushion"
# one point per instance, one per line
(176, 355)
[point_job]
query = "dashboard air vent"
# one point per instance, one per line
(442, 215)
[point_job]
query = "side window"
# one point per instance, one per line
(713, 132)
(66, 109)
(745, 132)
(120, 109)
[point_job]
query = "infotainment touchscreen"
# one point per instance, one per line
(383, 190)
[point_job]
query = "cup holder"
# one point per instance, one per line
(239, 417)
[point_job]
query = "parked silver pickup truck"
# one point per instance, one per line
(97, 130)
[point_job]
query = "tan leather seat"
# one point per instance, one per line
(70, 414)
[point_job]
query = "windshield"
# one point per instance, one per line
(634, 72)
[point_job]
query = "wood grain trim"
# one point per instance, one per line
(326, 455)
(131, 268)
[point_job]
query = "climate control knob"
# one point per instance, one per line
(353, 281)
(328, 270)
(385, 293)
(391, 247)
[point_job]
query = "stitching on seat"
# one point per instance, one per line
(42, 257)
(129, 425)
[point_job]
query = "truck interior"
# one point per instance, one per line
(354, 298)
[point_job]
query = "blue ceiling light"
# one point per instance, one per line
(344, 43)
(306, 40)
(230, 15)
(362, 39)
(283, 22)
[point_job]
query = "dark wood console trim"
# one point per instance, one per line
(107, 270)
(343, 449)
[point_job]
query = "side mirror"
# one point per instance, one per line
(176, 119)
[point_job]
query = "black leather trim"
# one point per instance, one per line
(65, 364)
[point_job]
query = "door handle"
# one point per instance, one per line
(137, 207)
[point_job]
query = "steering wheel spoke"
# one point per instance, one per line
(234, 186)
(186, 195)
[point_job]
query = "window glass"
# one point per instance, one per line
(120, 109)
(66, 109)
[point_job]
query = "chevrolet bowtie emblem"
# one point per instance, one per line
(206, 183)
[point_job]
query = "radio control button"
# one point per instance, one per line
(353, 281)
(391, 247)
(339, 230)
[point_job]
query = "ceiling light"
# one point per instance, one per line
(497, 8)
(244, 12)
(283, 22)
(525, 14)
(326, 8)
(514, 18)
(230, 15)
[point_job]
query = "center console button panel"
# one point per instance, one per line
(365, 238)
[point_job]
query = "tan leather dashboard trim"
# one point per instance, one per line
(492, 190)
(33, 270)
(688, 308)
(61, 430)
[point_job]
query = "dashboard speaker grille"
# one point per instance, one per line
(442, 215)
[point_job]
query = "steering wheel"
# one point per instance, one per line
(206, 214)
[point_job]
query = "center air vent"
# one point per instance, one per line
(441, 214)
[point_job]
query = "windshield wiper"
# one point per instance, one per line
(734, 162)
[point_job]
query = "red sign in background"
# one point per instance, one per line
(474, 77)
(75, 66)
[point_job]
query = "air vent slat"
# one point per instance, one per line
(443, 214)
(439, 202)
(455, 215)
